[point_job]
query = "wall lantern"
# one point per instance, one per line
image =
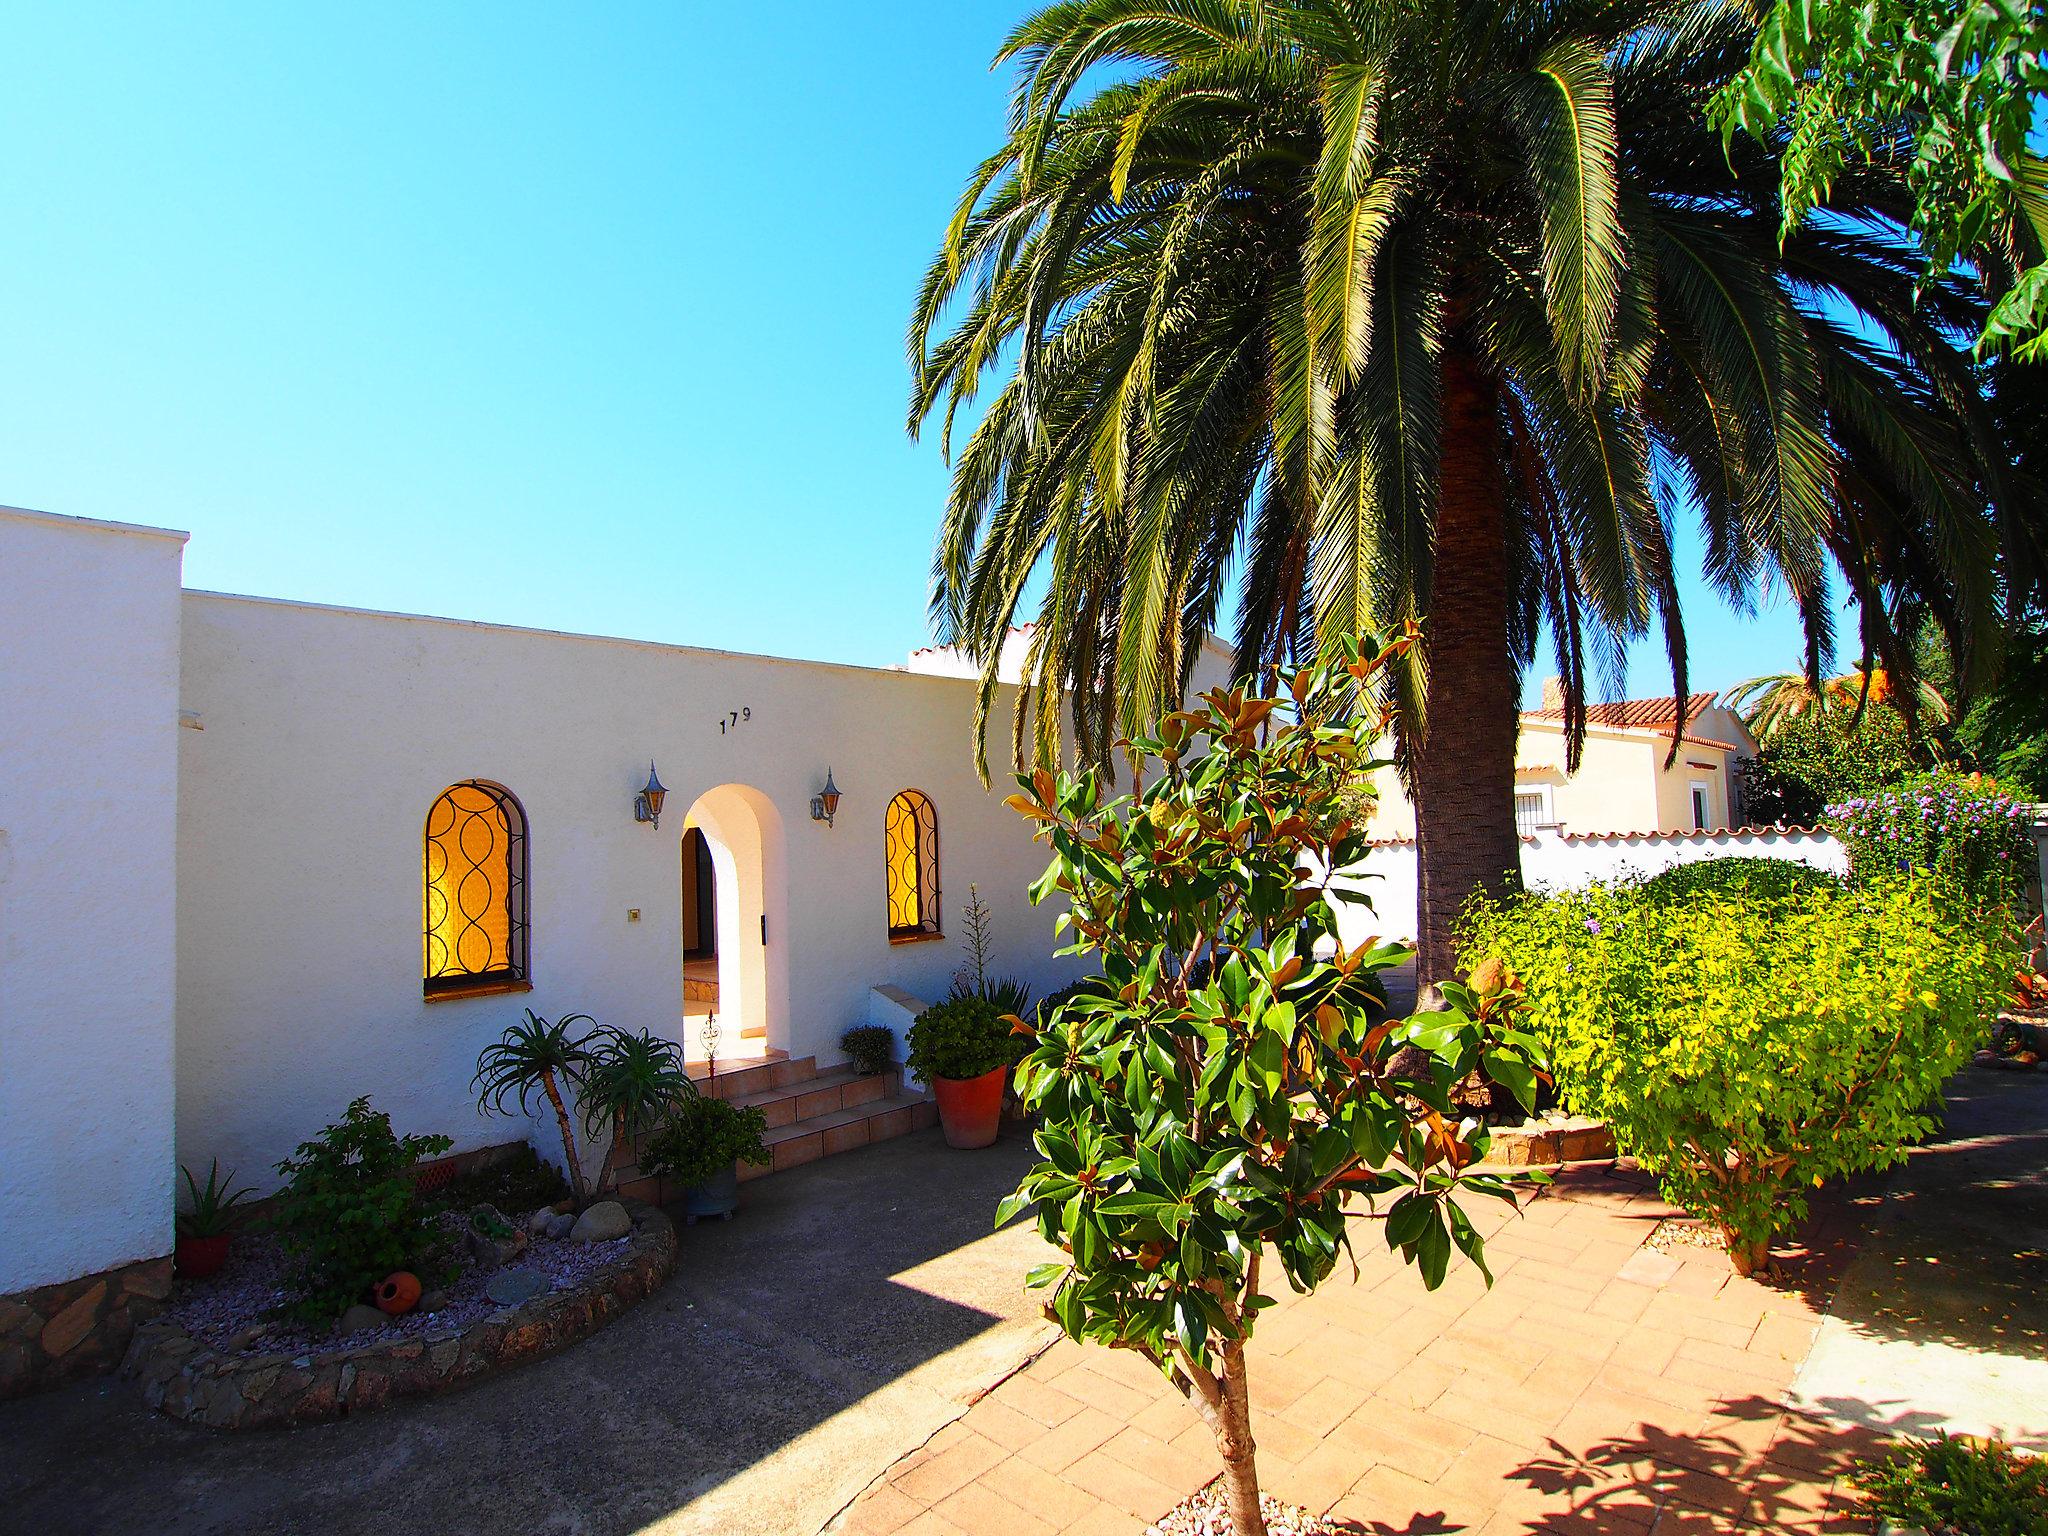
(825, 803)
(647, 804)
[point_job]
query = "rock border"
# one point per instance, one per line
(1573, 1139)
(184, 1378)
(70, 1328)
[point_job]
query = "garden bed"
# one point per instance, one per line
(213, 1360)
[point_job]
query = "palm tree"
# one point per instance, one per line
(1769, 703)
(1376, 312)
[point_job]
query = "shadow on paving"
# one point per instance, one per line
(835, 1282)
(1751, 1466)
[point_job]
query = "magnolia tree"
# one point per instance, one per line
(1233, 1083)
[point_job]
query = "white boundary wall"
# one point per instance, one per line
(88, 807)
(1552, 861)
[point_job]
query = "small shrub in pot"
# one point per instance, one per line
(701, 1147)
(963, 1047)
(207, 1224)
(870, 1049)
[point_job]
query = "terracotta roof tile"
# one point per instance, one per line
(1643, 714)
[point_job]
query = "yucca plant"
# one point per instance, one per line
(1354, 313)
(538, 1059)
(633, 1084)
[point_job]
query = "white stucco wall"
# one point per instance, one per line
(1554, 862)
(88, 793)
(328, 733)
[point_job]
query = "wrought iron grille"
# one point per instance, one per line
(910, 844)
(476, 876)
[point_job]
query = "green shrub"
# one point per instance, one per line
(349, 1213)
(703, 1138)
(1746, 1047)
(1947, 1484)
(870, 1049)
(1822, 756)
(1766, 879)
(518, 1181)
(960, 1038)
(1966, 831)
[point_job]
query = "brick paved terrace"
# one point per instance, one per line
(1600, 1386)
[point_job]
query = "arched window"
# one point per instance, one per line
(475, 891)
(910, 844)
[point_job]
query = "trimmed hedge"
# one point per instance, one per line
(1746, 1043)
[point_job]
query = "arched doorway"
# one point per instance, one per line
(734, 970)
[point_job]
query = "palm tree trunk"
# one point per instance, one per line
(1464, 778)
(576, 1185)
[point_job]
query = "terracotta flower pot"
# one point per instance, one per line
(198, 1257)
(971, 1108)
(398, 1293)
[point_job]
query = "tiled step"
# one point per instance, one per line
(810, 1114)
(825, 1094)
(742, 1075)
(842, 1130)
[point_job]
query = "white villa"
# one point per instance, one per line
(258, 858)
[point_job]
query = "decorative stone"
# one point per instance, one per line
(538, 1222)
(603, 1222)
(16, 1318)
(433, 1301)
(360, 1319)
(62, 1332)
(509, 1287)
(560, 1225)
(241, 1343)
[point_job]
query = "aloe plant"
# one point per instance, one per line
(633, 1083)
(539, 1058)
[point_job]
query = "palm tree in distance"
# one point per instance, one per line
(1773, 701)
(1404, 310)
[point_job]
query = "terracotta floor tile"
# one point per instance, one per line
(950, 1470)
(1047, 1495)
(1035, 1400)
(881, 1511)
(1059, 1448)
(1135, 1493)
(985, 1512)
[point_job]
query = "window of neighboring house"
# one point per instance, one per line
(1532, 811)
(910, 849)
(475, 863)
(1702, 805)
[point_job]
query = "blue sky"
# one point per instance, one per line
(582, 317)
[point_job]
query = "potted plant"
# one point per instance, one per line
(208, 1222)
(965, 1050)
(701, 1147)
(870, 1049)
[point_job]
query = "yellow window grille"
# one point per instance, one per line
(910, 850)
(475, 930)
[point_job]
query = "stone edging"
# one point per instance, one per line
(185, 1379)
(1574, 1140)
(51, 1333)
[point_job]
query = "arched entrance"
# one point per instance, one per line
(733, 908)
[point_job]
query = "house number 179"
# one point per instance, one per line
(732, 719)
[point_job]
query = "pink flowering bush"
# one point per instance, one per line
(1965, 831)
